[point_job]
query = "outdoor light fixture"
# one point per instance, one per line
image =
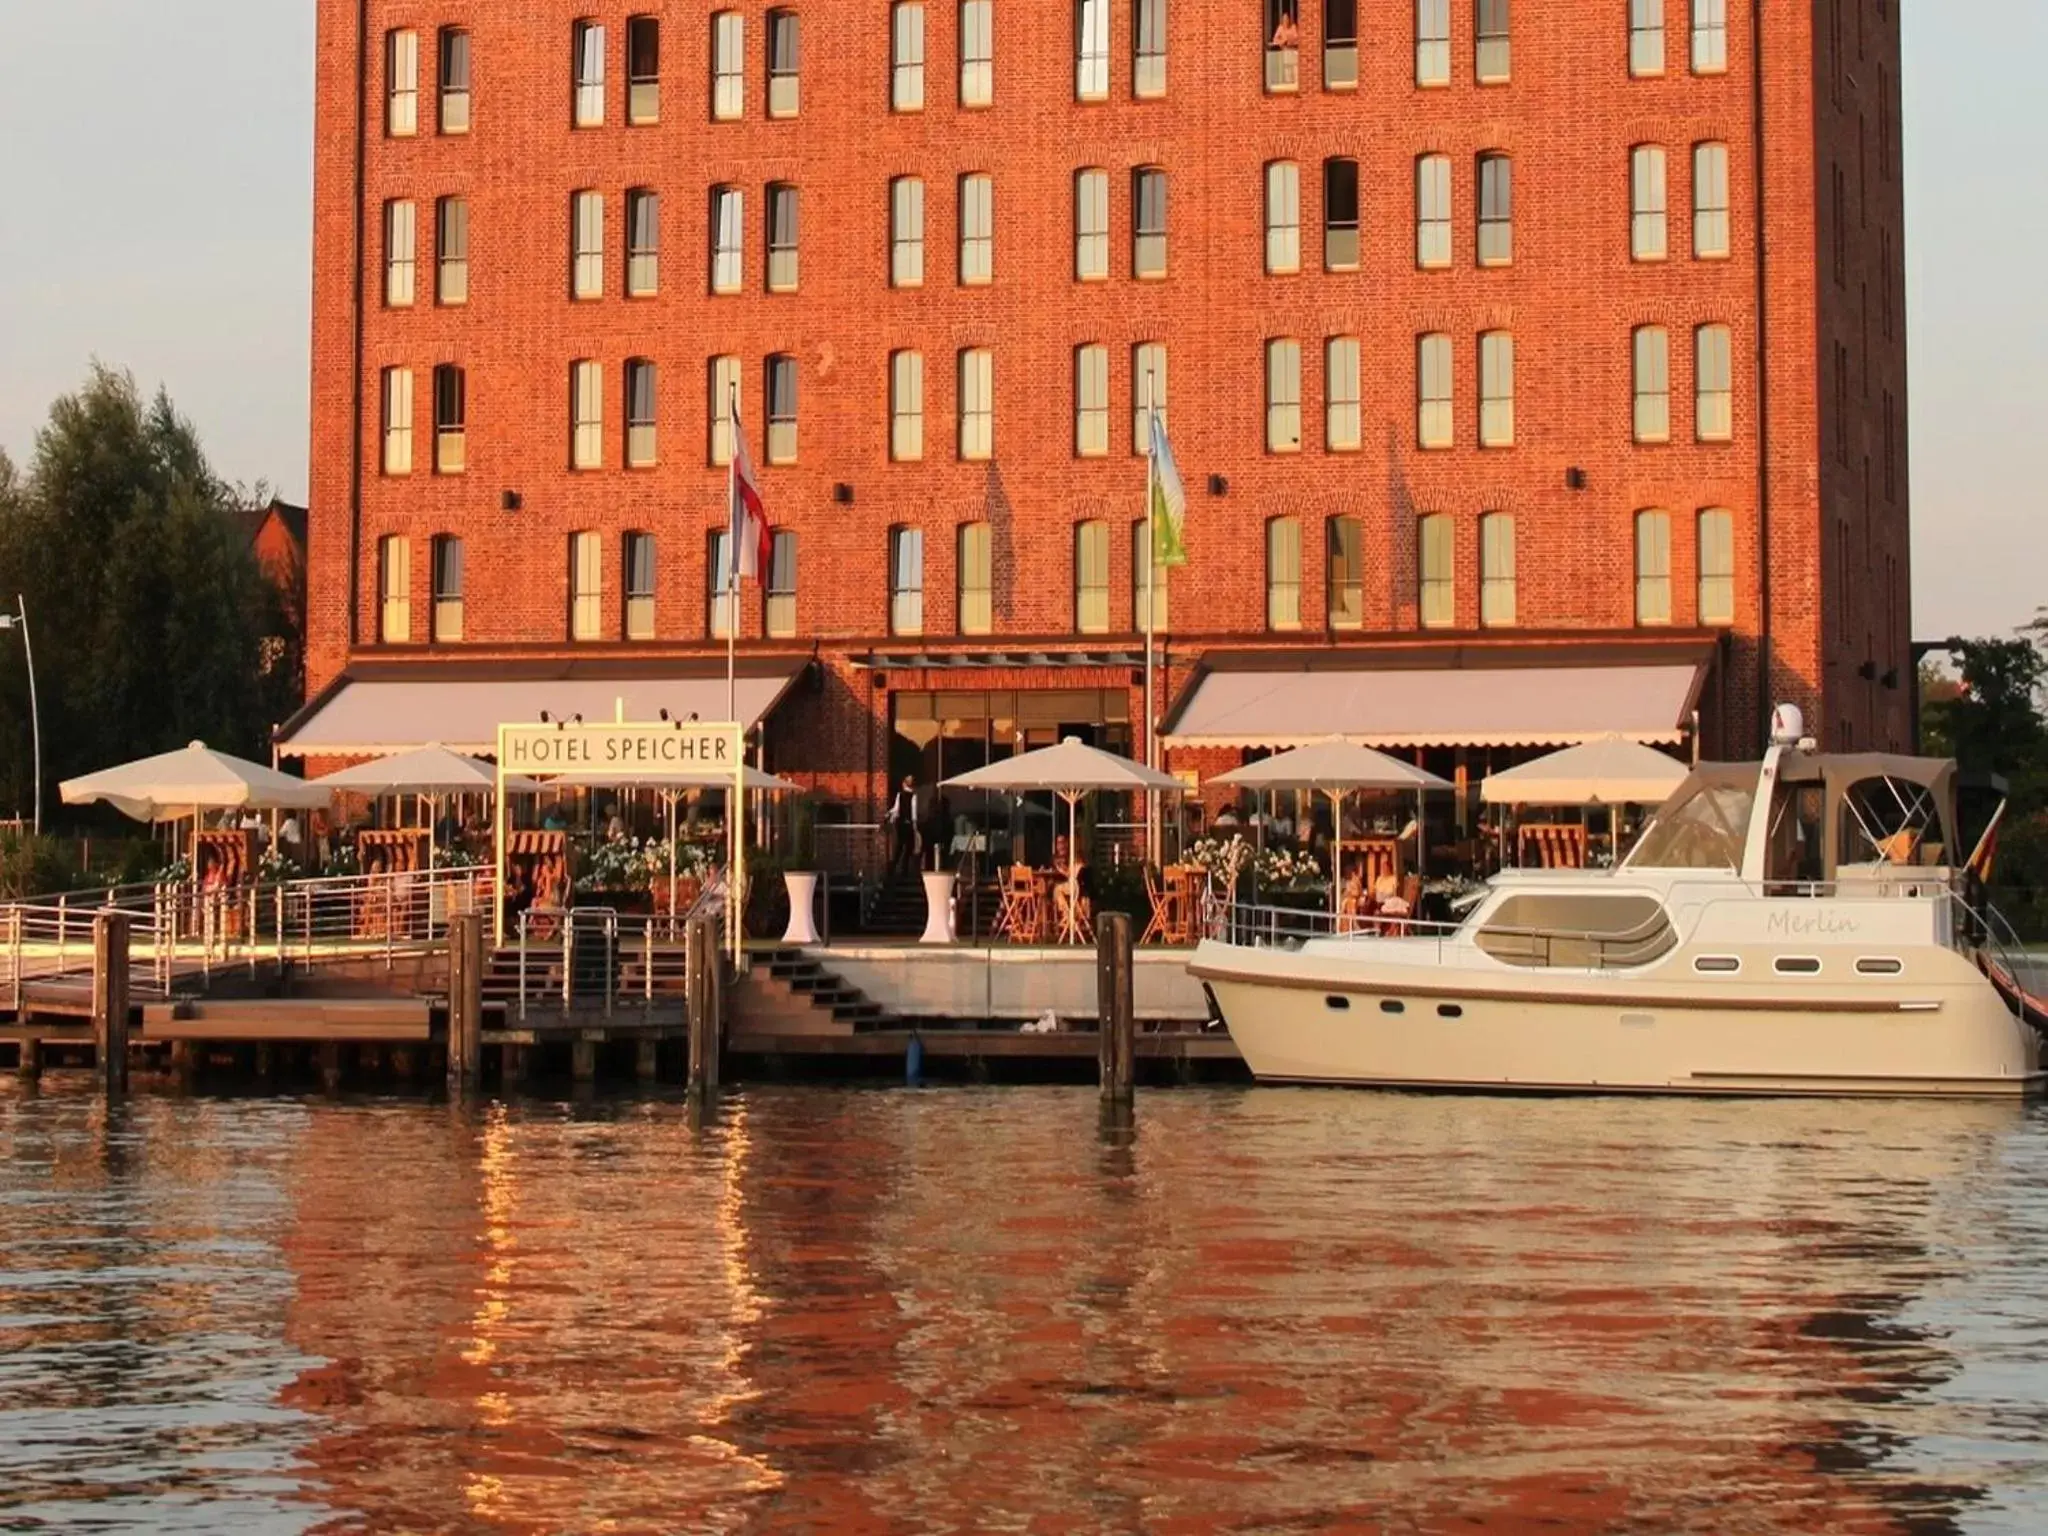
(1218, 485)
(1891, 678)
(842, 493)
(19, 620)
(664, 712)
(543, 717)
(1868, 671)
(509, 500)
(1575, 479)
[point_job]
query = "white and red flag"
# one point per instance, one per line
(749, 539)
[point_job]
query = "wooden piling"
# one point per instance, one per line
(583, 1060)
(110, 933)
(185, 1063)
(647, 1059)
(28, 1065)
(330, 1065)
(1116, 1005)
(465, 1001)
(702, 962)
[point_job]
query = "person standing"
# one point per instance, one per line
(903, 817)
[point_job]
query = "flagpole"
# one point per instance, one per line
(732, 552)
(1152, 841)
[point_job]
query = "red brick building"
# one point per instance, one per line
(1552, 350)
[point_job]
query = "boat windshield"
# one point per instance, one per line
(1705, 823)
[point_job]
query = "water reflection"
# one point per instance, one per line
(1000, 1310)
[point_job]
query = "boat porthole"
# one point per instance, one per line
(1797, 965)
(1717, 965)
(1449, 1011)
(1338, 1003)
(1879, 967)
(1390, 1006)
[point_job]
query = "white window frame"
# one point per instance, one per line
(1091, 225)
(977, 229)
(1344, 572)
(977, 373)
(1649, 220)
(586, 414)
(1436, 571)
(1091, 50)
(906, 407)
(1709, 37)
(1495, 209)
(396, 458)
(1148, 240)
(1713, 383)
(1497, 574)
(906, 232)
(728, 66)
(728, 239)
(974, 545)
(586, 585)
(454, 97)
(977, 53)
(906, 580)
(1148, 389)
(906, 56)
(785, 232)
(1283, 217)
(1650, 375)
(643, 242)
(785, 62)
(1283, 573)
(586, 245)
(1653, 567)
(1091, 577)
(643, 90)
(1091, 401)
(1343, 430)
(1492, 43)
(1435, 247)
(780, 384)
(1283, 395)
(1148, 49)
(401, 83)
(723, 388)
(401, 253)
(394, 589)
(451, 250)
(642, 379)
(587, 68)
(1711, 211)
(1497, 389)
(1645, 39)
(640, 597)
(1716, 567)
(1435, 410)
(1432, 43)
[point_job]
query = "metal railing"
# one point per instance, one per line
(592, 959)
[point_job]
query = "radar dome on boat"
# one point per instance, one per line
(1788, 725)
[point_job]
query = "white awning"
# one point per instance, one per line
(369, 717)
(1439, 706)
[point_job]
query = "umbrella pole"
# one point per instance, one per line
(1336, 849)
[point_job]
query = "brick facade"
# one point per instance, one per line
(1830, 533)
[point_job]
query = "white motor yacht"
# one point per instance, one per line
(1795, 926)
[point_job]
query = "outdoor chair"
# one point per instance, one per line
(1160, 900)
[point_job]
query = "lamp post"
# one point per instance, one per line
(19, 620)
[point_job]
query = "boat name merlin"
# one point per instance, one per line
(1810, 925)
(544, 749)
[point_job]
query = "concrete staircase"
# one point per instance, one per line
(789, 991)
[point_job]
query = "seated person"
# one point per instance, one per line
(1387, 897)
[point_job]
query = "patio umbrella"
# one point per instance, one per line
(431, 772)
(1608, 770)
(1336, 767)
(191, 781)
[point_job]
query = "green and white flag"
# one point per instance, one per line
(1169, 501)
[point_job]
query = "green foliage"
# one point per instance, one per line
(36, 866)
(147, 607)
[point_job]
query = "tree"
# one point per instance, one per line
(1988, 717)
(147, 605)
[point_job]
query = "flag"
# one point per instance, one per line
(1169, 501)
(748, 541)
(1987, 847)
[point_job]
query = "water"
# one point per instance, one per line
(972, 1310)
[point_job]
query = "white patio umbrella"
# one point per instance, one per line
(431, 772)
(1070, 770)
(1608, 770)
(1336, 767)
(190, 782)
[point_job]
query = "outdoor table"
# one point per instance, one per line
(803, 891)
(938, 898)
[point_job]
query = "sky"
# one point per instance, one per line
(155, 213)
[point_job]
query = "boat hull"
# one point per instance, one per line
(1302, 1017)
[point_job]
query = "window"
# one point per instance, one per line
(906, 581)
(728, 239)
(1340, 215)
(1091, 50)
(1710, 201)
(643, 69)
(1646, 202)
(906, 406)
(451, 250)
(782, 238)
(1148, 393)
(643, 243)
(1652, 385)
(1091, 578)
(447, 573)
(454, 81)
(906, 57)
(1283, 396)
(723, 400)
(1645, 37)
(397, 421)
(906, 232)
(1091, 403)
(589, 74)
(781, 408)
(1717, 566)
(1433, 211)
(1283, 216)
(1283, 573)
(719, 597)
(977, 230)
(639, 567)
(785, 34)
(394, 590)
(451, 420)
(1497, 570)
(1148, 228)
(728, 66)
(977, 53)
(1145, 569)
(586, 415)
(1091, 225)
(1340, 45)
(1148, 66)
(1709, 37)
(1341, 426)
(1496, 210)
(586, 586)
(1497, 390)
(976, 579)
(1346, 598)
(1653, 568)
(1433, 427)
(1283, 44)
(781, 605)
(641, 443)
(1436, 598)
(977, 403)
(399, 251)
(586, 224)
(401, 84)
(1714, 402)
(1491, 63)
(1432, 42)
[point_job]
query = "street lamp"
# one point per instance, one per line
(19, 620)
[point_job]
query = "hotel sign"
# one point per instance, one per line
(593, 751)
